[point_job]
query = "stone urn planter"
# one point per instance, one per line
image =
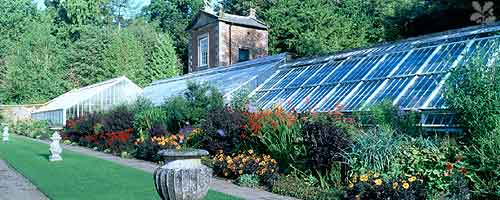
(183, 177)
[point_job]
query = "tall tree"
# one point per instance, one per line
(173, 17)
(16, 18)
(159, 52)
(71, 16)
(35, 67)
(318, 26)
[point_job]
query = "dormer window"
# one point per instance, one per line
(203, 51)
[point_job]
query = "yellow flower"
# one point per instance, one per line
(376, 175)
(363, 178)
(225, 173)
(350, 185)
(354, 179)
(378, 181)
(230, 162)
(240, 172)
(250, 151)
(411, 179)
(394, 185)
(406, 185)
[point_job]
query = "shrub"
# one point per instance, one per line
(149, 118)
(241, 100)
(224, 129)
(385, 114)
(248, 180)
(32, 128)
(86, 125)
(294, 186)
(246, 163)
(147, 150)
(280, 133)
(378, 149)
(473, 92)
(484, 164)
(325, 139)
(372, 186)
(427, 159)
(117, 119)
(193, 107)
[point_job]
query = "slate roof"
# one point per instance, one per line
(230, 18)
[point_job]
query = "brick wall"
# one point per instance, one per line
(213, 41)
(234, 37)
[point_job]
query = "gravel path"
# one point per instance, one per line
(13, 186)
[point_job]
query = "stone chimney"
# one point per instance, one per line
(252, 13)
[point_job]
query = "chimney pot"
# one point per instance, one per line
(252, 13)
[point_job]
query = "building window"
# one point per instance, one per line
(203, 51)
(244, 55)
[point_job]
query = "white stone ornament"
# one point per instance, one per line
(5, 134)
(55, 148)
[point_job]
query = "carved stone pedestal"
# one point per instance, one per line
(183, 177)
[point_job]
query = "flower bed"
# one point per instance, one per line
(306, 155)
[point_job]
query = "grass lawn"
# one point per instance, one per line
(79, 176)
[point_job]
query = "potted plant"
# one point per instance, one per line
(183, 176)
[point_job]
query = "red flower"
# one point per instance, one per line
(463, 170)
(449, 166)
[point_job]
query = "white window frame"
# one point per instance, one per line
(200, 56)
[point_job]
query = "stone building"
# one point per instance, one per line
(220, 39)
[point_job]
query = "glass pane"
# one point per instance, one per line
(315, 98)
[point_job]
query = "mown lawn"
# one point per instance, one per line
(80, 177)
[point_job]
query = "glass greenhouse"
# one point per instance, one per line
(227, 79)
(93, 98)
(409, 73)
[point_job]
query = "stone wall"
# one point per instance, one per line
(18, 112)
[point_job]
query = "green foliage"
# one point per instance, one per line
(385, 114)
(159, 51)
(17, 17)
(281, 135)
(484, 161)
(317, 26)
(241, 99)
(173, 17)
(72, 16)
(294, 186)
(74, 44)
(248, 180)
(473, 92)
(193, 107)
(378, 149)
(34, 68)
(103, 53)
(146, 115)
(33, 129)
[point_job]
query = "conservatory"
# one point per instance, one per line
(410, 74)
(93, 98)
(227, 79)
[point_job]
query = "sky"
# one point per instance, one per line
(135, 5)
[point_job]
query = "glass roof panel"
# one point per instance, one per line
(341, 71)
(315, 98)
(322, 73)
